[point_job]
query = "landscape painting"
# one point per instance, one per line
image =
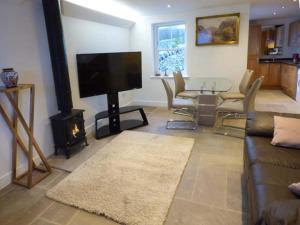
(218, 30)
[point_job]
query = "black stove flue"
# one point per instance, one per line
(68, 126)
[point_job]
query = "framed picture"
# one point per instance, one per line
(218, 30)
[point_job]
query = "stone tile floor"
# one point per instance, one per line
(211, 191)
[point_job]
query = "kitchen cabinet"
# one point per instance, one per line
(254, 50)
(294, 34)
(274, 76)
(279, 37)
(289, 79)
(264, 71)
(254, 40)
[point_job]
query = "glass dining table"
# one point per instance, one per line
(211, 84)
(207, 100)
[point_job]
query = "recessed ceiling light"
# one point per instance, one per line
(274, 13)
(283, 7)
(169, 6)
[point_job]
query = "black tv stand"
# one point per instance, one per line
(113, 113)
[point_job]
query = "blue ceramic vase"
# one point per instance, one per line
(9, 77)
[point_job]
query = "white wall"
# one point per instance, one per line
(287, 51)
(210, 61)
(24, 46)
(83, 36)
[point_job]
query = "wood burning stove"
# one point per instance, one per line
(67, 126)
(68, 131)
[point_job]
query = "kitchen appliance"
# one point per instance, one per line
(296, 58)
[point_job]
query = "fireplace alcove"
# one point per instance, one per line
(68, 126)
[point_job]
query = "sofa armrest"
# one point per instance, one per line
(262, 123)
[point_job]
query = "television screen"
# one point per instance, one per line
(105, 73)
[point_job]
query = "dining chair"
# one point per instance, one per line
(180, 87)
(238, 109)
(243, 87)
(178, 103)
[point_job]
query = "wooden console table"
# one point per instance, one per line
(34, 174)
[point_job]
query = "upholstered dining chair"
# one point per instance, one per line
(178, 103)
(237, 109)
(180, 87)
(243, 87)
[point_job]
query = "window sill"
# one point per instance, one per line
(167, 77)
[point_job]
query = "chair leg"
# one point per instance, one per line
(219, 120)
(219, 125)
(181, 125)
(183, 112)
(184, 124)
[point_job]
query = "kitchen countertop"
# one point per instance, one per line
(284, 61)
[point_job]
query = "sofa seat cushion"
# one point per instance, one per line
(265, 194)
(268, 184)
(285, 212)
(260, 150)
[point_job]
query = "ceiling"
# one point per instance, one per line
(260, 9)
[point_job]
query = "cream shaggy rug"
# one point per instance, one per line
(133, 183)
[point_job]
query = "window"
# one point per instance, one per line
(169, 48)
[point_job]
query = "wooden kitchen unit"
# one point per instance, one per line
(294, 40)
(289, 80)
(254, 50)
(272, 75)
(279, 73)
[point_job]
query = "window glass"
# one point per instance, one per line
(170, 48)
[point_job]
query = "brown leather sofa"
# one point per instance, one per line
(268, 171)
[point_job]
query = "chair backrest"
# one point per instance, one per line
(245, 82)
(249, 101)
(179, 82)
(169, 93)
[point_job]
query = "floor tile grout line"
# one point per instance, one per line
(48, 187)
(210, 206)
(226, 191)
(72, 217)
(49, 221)
(196, 179)
(41, 213)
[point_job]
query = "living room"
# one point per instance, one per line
(189, 159)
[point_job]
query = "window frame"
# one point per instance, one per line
(155, 44)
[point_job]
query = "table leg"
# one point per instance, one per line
(15, 142)
(30, 145)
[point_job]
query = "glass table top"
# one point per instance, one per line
(214, 84)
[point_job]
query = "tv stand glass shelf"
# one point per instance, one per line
(115, 125)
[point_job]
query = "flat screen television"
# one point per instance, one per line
(106, 73)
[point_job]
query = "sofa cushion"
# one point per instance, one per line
(263, 195)
(295, 188)
(260, 150)
(285, 212)
(286, 132)
(269, 183)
